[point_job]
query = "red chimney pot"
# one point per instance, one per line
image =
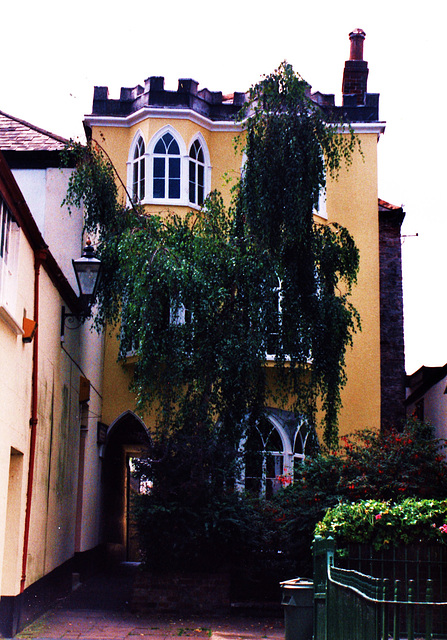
(357, 37)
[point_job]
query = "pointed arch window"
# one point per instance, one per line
(138, 171)
(167, 174)
(196, 174)
(263, 459)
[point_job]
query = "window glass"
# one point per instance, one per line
(138, 173)
(174, 177)
(263, 459)
(167, 170)
(9, 239)
(273, 317)
(196, 174)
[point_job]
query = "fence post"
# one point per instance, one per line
(324, 550)
(396, 612)
(429, 611)
(410, 611)
(385, 616)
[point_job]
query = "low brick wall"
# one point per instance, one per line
(192, 592)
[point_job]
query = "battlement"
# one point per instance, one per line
(210, 104)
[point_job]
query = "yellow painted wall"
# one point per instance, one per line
(352, 201)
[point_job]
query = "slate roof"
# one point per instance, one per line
(19, 135)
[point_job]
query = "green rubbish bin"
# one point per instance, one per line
(298, 602)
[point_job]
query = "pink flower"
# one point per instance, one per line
(378, 516)
(443, 528)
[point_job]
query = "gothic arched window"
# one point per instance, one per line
(167, 174)
(196, 174)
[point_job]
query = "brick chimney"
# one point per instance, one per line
(355, 74)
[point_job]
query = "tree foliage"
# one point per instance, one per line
(290, 147)
(390, 467)
(196, 296)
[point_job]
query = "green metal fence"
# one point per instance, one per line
(351, 605)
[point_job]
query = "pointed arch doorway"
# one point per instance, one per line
(127, 439)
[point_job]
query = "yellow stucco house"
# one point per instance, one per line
(69, 428)
(170, 149)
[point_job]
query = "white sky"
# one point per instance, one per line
(53, 54)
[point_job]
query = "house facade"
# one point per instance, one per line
(50, 380)
(69, 427)
(170, 149)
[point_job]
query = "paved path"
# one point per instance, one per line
(99, 610)
(88, 624)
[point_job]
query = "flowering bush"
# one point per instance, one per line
(369, 467)
(386, 524)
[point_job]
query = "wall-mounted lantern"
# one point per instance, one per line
(87, 270)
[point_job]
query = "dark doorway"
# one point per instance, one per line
(127, 439)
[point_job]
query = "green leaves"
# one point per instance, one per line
(289, 147)
(384, 524)
(199, 298)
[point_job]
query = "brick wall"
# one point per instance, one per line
(192, 592)
(391, 318)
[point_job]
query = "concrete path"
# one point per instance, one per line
(91, 624)
(99, 610)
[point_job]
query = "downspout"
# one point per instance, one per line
(39, 257)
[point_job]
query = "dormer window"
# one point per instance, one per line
(196, 174)
(167, 174)
(138, 172)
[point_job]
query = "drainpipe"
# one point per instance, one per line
(39, 257)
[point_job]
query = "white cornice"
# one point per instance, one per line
(377, 128)
(160, 112)
(363, 127)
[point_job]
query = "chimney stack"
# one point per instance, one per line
(355, 74)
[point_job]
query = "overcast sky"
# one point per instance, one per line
(54, 53)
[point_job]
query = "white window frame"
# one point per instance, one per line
(206, 169)
(9, 250)
(289, 456)
(321, 210)
(139, 171)
(282, 458)
(148, 161)
(130, 165)
(183, 199)
(278, 290)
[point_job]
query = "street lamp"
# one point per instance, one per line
(87, 270)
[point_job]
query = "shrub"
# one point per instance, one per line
(384, 524)
(195, 519)
(391, 467)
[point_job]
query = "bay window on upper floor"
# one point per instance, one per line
(167, 171)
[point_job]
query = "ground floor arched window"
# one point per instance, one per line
(271, 451)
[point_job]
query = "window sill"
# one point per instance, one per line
(129, 359)
(10, 321)
(169, 202)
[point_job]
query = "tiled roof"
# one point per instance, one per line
(390, 207)
(19, 135)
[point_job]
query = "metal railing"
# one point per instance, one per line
(350, 605)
